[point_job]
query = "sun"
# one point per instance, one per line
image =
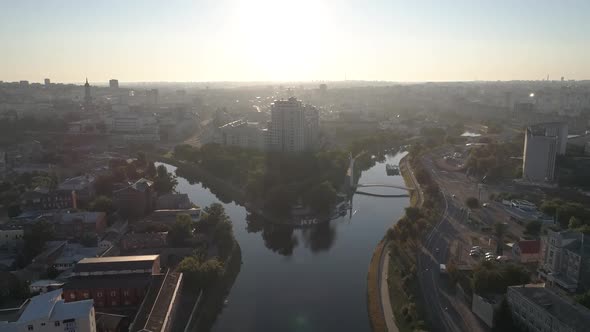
(281, 39)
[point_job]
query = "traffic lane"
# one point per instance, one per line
(439, 286)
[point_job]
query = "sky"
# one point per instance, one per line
(293, 40)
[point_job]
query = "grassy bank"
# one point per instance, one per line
(405, 241)
(376, 317)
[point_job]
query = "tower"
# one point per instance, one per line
(87, 96)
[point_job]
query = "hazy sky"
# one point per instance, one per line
(256, 40)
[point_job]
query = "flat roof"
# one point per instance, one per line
(568, 312)
(91, 260)
(116, 263)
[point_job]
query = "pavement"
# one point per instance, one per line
(384, 289)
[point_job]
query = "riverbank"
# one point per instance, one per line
(374, 305)
(211, 301)
(398, 267)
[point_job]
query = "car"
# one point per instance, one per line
(485, 204)
(490, 258)
(474, 254)
(454, 195)
(489, 253)
(476, 248)
(436, 250)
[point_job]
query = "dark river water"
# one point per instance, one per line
(310, 279)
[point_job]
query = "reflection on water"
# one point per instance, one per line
(306, 279)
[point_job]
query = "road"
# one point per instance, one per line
(445, 309)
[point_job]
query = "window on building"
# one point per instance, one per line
(86, 295)
(72, 296)
(30, 328)
(126, 293)
(57, 323)
(98, 294)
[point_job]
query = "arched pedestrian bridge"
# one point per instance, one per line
(384, 185)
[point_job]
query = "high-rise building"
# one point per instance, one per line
(287, 126)
(312, 127)
(114, 84)
(47, 82)
(87, 96)
(540, 152)
(558, 130)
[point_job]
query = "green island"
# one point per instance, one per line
(280, 186)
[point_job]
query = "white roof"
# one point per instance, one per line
(50, 306)
(69, 310)
(44, 282)
(40, 306)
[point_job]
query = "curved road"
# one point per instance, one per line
(446, 310)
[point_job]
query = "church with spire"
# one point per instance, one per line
(87, 96)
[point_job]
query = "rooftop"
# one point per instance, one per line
(530, 246)
(568, 312)
(78, 182)
(115, 263)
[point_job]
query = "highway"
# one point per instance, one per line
(445, 308)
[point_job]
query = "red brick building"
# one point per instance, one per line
(120, 281)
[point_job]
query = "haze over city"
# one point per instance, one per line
(264, 40)
(296, 166)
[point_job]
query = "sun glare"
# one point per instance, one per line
(281, 39)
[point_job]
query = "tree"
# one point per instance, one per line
(322, 197)
(165, 182)
(584, 299)
(141, 159)
(533, 227)
(575, 223)
(150, 170)
(102, 204)
(52, 272)
(180, 232)
(413, 213)
(214, 214)
(89, 240)
(199, 273)
(35, 239)
(103, 185)
(472, 202)
(499, 232)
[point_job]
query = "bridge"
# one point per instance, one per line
(384, 185)
(352, 187)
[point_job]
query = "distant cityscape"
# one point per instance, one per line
(107, 226)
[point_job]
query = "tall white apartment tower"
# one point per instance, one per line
(287, 127)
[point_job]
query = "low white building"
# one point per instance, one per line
(50, 313)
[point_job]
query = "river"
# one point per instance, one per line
(306, 279)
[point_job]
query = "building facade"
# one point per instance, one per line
(112, 281)
(538, 309)
(540, 153)
(113, 83)
(287, 127)
(566, 260)
(50, 313)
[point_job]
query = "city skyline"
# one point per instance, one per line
(266, 40)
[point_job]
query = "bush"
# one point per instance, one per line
(472, 202)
